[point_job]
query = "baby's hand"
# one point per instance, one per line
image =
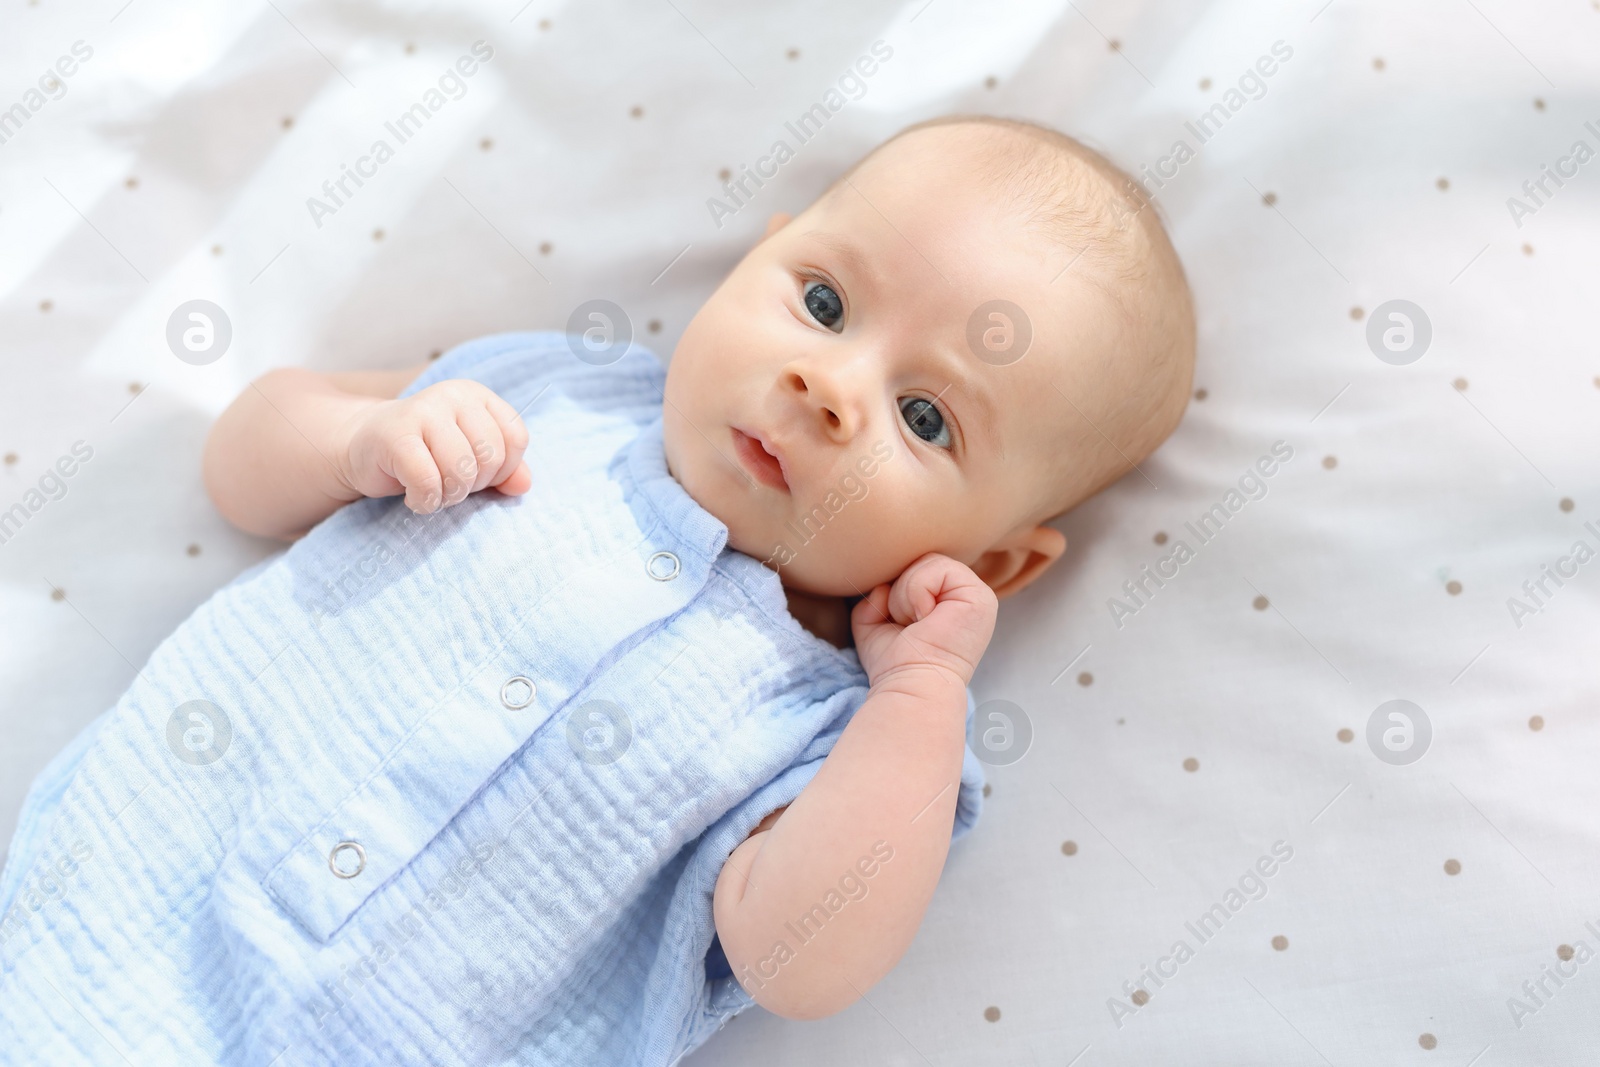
(436, 446)
(936, 620)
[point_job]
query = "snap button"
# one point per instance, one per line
(517, 692)
(347, 846)
(651, 569)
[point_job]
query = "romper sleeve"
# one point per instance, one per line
(784, 788)
(484, 358)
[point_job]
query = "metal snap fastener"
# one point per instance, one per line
(517, 692)
(650, 567)
(351, 846)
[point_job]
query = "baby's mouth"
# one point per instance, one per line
(753, 453)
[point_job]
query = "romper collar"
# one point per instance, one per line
(696, 530)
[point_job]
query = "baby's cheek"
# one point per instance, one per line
(873, 536)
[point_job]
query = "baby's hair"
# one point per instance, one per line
(1112, 234)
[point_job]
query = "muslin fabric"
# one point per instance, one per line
(532, 727)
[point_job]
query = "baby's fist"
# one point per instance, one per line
(934, 622)
(436, 446)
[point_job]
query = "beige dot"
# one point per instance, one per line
(486, 144)
(134, 387)
(377, 235)
(1205, 83)
(11, 458)
(1597, 378)
(1259, 603)
(1443, 184)
(724, 174)
(1377, 63)
(435, 354)
(1269, 198)
(45, 305)
(1346, 734)
(193, 550)
(288, 120)
(1566, 503)
(987, 789)
(544, 24)
(1536, 723)
(992, 1013)
(544, 248)
(1452, 867)
(1069, 848)
(1538, 104)
(1200, 394)
(1140, 997)
(1564, 952)
(990, 82)
(1191, 765)
(1114, 44)
(654, 326)
(1460, 384)
(1085, 679)
(1330, 462)
(1160, 537)
(1120, 722)
(131, 182)
(1527, 250)
(636, 111)
(1357, 313)
(1452, 587)
(410, 48)
(216, 250)
(1428, 1041)
(1280, 942)
(58, 594)
(793, 53)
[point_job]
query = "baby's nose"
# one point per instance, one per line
(833, 398)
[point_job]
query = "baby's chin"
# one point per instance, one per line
(804, 569)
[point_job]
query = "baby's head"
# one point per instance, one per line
(860, 344)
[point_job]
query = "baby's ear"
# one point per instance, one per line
(1012, 566)
(778, 221)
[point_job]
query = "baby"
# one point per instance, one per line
(747, 595)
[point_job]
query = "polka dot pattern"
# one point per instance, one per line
(1291, 725)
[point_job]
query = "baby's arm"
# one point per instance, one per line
(296, 446)
(879, 810)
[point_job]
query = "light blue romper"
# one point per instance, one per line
(452, 789)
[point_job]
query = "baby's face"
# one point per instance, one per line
(840, 343)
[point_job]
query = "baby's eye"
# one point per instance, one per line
(925, 421)
(824, 305)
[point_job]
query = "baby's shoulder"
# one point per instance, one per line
(524, 365)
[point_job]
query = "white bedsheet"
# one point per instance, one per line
(578, 163)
